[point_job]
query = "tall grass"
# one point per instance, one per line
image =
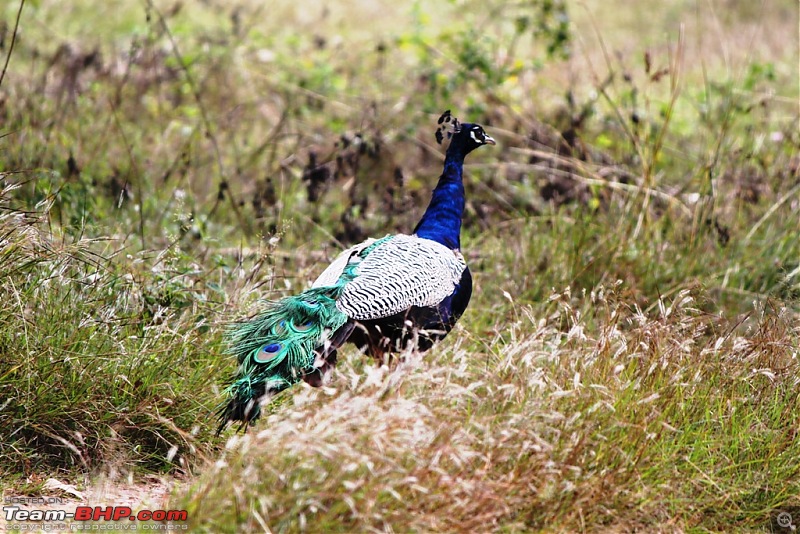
(606, 417)
(104, 359)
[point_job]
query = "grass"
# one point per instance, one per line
(646, 420)
(629, 360)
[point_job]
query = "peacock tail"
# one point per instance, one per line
(279, 346)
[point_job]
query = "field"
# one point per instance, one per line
(629, 360)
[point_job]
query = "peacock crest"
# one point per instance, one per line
(448, 126)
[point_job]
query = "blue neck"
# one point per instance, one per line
(442, 219)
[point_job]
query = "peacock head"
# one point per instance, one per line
(465, 137)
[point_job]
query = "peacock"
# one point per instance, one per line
(383, 295)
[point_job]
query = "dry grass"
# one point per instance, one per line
(620, 421)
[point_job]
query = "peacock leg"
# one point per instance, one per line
(322, 370)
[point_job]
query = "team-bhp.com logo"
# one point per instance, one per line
(21, 519)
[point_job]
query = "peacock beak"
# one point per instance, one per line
(488, 140)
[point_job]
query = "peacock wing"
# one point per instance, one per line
(395, 273)
(331, 275)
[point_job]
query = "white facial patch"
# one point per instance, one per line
(472, 135)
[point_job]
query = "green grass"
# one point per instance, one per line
(88, 347)
(628, 360)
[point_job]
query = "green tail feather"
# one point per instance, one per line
(277, 347)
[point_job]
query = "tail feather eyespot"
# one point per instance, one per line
(268, 352)
(305, 327)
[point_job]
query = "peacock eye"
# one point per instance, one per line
(272, 348)
(304, 327)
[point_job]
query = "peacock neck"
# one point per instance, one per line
(442, 219)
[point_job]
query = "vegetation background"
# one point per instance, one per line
(630, 357)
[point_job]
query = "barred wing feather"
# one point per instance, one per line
(330, 276)
(398, 273)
